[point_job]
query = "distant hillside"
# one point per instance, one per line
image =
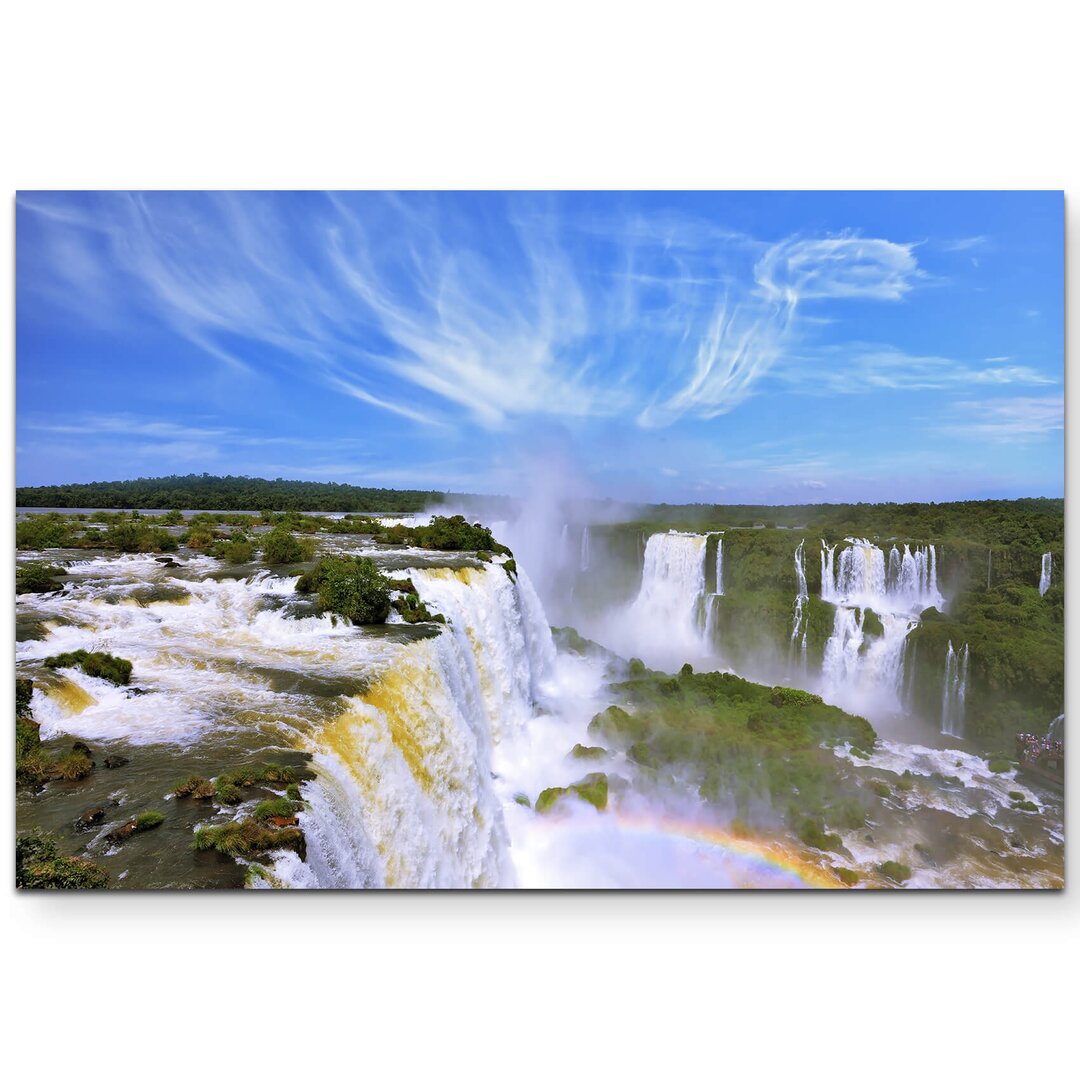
(205, 492)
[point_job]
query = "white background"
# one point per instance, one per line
(457, 94)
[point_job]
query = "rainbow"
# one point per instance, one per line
(755, 863)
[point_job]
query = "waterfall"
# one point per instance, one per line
(853, 666)
(584, 562)
(907, 583)
(954, 692)
(800, 599)
(404, 796)
(1056, 731)
(1044, 576)
(669, 618)
(720, 565)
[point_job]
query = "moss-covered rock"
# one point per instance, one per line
(812, 834)
(587, 753)
(848, 877)
(895, 871)
(593, 789)
(248, 839)
(98, 665)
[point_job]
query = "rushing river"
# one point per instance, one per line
(423, 744)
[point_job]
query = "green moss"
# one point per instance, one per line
(905, 782)
(1026, 804)
(293, 792)
(150, 820)
(872, 624)
(848, 877)
(39, 865)
(522, 799)
(895, 871)
(510, 566)
(1000, 765)
(858, 752)
(593, 789)
(227, 794)
(587, 752)
(880, 788)
(98, 665)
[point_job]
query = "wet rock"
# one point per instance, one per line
(81, 748)
(282, 822)
(120, 834)
(166, 561)
(115, 761)
(91, 818)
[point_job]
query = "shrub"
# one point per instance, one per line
(236, 550)
(39, 865)
(41, 531)
(352, 587)
(813, 835)
(98, 665)
(74, 765)
(280, 547)
(38, 577)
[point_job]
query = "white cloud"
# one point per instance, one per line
(1018, 419)
(854, 369)
(840, 267)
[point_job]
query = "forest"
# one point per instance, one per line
(200, 491)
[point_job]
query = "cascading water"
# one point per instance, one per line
(405, 795)
(798, 631)
(954, 692)
(666, 621)
(897, 587)
(1044, 576)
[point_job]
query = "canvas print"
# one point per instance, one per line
(572, 540)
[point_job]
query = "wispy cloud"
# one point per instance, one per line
(1014, 420)
(441, 309)
(845, 267)
(855, 369)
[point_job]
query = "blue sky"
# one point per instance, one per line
(725, 347)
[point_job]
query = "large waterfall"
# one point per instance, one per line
(897, 587)
(669, 610)
(906, 582)
(1044, 576)
(954, 692)
(405, 795)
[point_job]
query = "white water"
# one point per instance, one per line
(801, 595)
(1044, 575)
(861, 578)
(665, 623)
(954, 692)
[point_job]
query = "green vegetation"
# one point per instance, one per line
(150, 820)
(248, 839)
(1000, 765)
(848, 877)
(757, 746)
(895, 871)
(587, 752)
(280, 547)
(593, 789)
(40, 531)
(38, 577)
(236, 550)
(445, 534)
(98, 665)
(131, 536)
(194, 787)
(277, 808)
(39, 865)
(193, 492)
(350, 586)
